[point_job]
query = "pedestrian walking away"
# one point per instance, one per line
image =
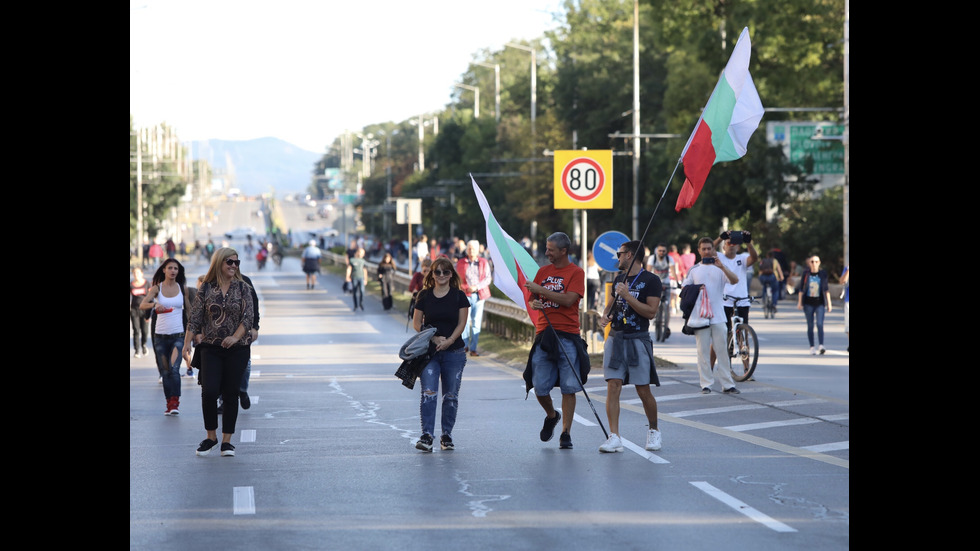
(138, 287)
(475, 278)
(813, 297)
(169, 301)
(223, 313)
(557, 287)
(311, 263)
(713, 275)
(441, 304)
(628, 357)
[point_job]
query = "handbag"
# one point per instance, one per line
(347, 288)
(701, 314)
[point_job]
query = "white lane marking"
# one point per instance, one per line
(244, 500)
(247, 436)
(743, 508)
(771, 424)
(709, 411)
(642, 452)
(832, 446)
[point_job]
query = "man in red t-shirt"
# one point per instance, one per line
(558, 287)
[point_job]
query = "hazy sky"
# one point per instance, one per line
(305, 71)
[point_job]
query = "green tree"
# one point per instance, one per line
(163, 187)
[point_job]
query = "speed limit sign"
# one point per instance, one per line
(583, 179)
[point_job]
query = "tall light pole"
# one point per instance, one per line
(534, 93)
(636, 119)
(847, 134)
(476, 101)
(496, 95)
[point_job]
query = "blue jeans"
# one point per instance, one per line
(471, 333)
(812, 312)
(446, 366)
(769, 280)
(166, 347)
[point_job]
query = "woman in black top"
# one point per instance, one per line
(814, 300)
(443, 305)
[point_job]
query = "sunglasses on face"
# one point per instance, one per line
(231, 262)
(621, 253)
(442, 272)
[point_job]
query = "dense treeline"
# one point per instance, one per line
(584, 94)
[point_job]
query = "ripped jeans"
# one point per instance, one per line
(447, 366)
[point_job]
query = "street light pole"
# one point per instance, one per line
(476, 101)
(496, 95)
(636, 119)
(534, 94)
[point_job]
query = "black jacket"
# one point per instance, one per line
(546, 339)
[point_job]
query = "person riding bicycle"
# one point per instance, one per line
(664, 267)
(770, 276)
(738, 263)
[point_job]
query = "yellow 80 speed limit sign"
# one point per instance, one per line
(583, 179)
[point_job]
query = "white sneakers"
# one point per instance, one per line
(615, 443)
(612, 445)
(813, 351)
(654, 440)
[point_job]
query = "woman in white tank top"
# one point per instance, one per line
(169, 302)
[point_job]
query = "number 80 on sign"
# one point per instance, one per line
(583, 179)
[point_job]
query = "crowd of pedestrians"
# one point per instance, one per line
(219, 320)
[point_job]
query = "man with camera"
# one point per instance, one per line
(738, 263)
(714, 276)
(628, 356)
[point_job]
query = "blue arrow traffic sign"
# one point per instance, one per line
(604, 249)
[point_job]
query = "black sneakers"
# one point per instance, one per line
(246, 402)
(424, 443)
(548, 431)
(227, 450)
(732, 390)
(565, 441)
(447, 443)
(205, 447)
(705, 390)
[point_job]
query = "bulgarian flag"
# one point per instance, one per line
(731, 116)
(512, 265)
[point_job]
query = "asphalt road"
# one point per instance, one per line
(326, 459)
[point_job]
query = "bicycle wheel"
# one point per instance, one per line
(745, 358)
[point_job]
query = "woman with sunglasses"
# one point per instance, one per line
(814, 298)
(223, 314)
(169, 300)
(441, 304)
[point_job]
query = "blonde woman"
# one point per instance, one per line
(443, 305)
(223, 316)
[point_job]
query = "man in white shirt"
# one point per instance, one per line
(714, 276)
(728, 243)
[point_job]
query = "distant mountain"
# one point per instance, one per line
(255, 166)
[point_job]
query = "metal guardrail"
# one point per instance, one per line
(501, 317)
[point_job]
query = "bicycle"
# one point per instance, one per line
(768, 303)
(743, 344)
(661, 321)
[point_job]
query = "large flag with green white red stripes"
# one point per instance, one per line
(727, 122)
(512, 264)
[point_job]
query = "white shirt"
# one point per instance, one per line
(738, 266)
(714, 281)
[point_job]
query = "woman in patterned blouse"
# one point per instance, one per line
(220, 320)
